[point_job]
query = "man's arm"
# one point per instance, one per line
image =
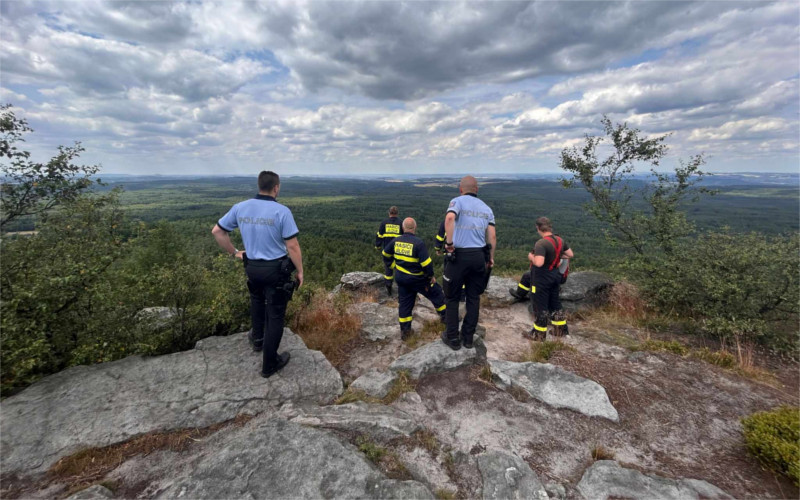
(449, 230)
(293, 247)
(491, 238)
(224, 241)
(567, 253)
(379, 238)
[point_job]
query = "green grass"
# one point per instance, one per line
(540, 352)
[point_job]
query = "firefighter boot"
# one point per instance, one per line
(518, 293)
(405, 331)
(559, 322)
(389, 287)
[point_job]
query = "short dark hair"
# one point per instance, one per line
(543, 224)
(392, 210)
(267, 180)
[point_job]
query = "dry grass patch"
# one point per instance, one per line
(429, 332)
(427, 440)
(602, 453)
(443, 494)
(385, 459)
(325, 324)
(352, 396)
(87, 467)
(402, 384)
(539, 352)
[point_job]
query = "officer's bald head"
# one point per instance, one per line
(409, 225)
(468, 185)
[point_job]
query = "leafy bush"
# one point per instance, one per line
(773, 437)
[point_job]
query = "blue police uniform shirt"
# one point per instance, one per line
(473, 216)
(265, 225)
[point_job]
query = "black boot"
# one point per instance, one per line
(518, 293)
(443, 317)
(389, 287)
(256, 344)
(405, 332)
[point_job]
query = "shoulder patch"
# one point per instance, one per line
(452, 203)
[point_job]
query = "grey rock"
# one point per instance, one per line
(155, 317)
(361, 280)
(436, 357)
(554, 386)
(378, 322)
(480, 331)
(497, 291)
(89, 406)
(585, 289)
(273, 458)
(381, 422)
(556, 491)
(96, 492)
(374, 383)
(607, 479)
(402, 490)
(508, 476)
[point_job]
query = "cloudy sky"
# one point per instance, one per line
(392, 87)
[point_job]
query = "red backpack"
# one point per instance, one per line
(563, 266)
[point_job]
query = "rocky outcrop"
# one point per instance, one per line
(497, 291)
(607, 479)
(436, 357)
(554, 386)
(96, 492)
(379, 421)
(88, 406)
(378, 322)
(585, 289)
(374, 383)
(360, 281)
(508, 476)
(273, 458)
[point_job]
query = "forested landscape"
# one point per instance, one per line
(71, 290)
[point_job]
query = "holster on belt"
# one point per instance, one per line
(487, 273)
(285, 284)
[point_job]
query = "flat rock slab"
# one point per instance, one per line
(507, 476)
(607, 479)
(497, 291)
(374, 383)
(554, 386)
(380, 421)
(90, 406)
(436, 357)
(585, 289)
(378, 322)
(361, 280)
(273, 458)
(96, 492)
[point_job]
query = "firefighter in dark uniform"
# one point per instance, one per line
(470, 245)
(408, 257)
(389, 229)
(546, 281)
(271, 254)
(523, 289)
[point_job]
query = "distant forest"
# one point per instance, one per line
(338, 217)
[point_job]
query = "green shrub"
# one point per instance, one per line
(773, 437)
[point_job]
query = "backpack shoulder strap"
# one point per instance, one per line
(557, 244)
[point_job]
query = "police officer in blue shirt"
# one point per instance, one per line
(271, 254)
(470, 258)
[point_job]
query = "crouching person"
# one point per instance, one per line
(413, 273)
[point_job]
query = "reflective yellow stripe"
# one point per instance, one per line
(440, 309)
(405, 320)
(524, 287)
(386, 254)
(539, 328)
(401, 269)
(392, 266)
(440, 238)
(559, 323)
(427, 261)
(380, 235)
(533, 289)
(407, 259)
(390, 277)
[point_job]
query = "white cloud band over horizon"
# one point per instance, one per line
(400, 87)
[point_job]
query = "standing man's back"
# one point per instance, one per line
(389, 229)
(271, 254)
(471, 241)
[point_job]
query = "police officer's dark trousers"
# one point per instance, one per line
(267, 307)
(408, 286)
(468, 270)
(546, 286)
